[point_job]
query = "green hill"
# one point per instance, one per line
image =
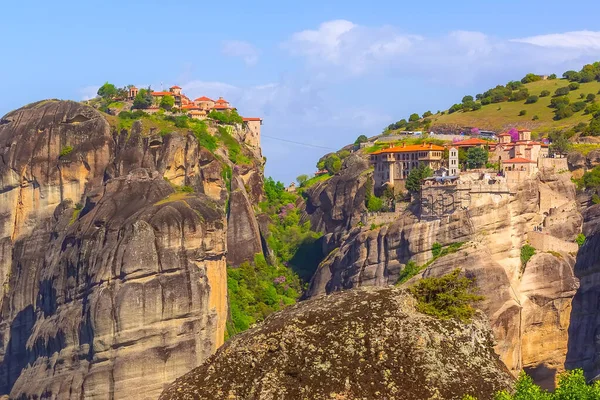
(505, 115)
(526, 103)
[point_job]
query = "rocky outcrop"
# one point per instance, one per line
(114, 280)
(584, 343)
(360, 344)
(528, 309)
(336, 205)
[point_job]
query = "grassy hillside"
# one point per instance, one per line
(505, 115)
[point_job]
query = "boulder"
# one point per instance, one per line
(362, 344)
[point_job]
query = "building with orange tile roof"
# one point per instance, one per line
(472, 142)
(392, 165)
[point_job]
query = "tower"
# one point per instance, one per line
(524, 134)
(133, 91)
(453, 169)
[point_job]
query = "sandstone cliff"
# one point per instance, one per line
(528, 309)
(360, 344)
(114, 280)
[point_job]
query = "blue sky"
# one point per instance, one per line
(318, 72)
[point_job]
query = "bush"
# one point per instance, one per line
(527, 252)
(558, 102)
(592, 108)
(486, 101)
(531, 78)
(476, 106)
(514, 85)
(572, 385)
(531, 100)
(374, 204)
(580, 240)
(522, 112)
(454, 108)
(228, 117)
(449, 296)
(573, 86)
(427, 114)
(65, 151)
(563, 91)
(333, 164)
(413, 117)
(544, 93)
(204, 138)
(167, 103)
(590, 97)
(522, 94)
(578, 106)
(535, 118)
(361, 139)
(563, 112)
(436, 249)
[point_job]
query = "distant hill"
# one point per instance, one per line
(501, 108)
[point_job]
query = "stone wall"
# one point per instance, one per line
(545, 242)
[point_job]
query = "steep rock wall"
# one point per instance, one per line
(529, 310)
(114, 282)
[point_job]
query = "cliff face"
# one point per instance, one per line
(361, 344)
(528, 309)
(114, 282)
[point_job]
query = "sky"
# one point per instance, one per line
(319, 73)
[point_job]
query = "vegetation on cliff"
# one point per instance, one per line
(259, 289)
(571, 385)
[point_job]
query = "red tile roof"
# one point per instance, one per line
(175, 87)
(504, 134)
(410, 148)
(222, 101)
(518, 160)
(204, 98)
(162, 94)
(471, 142)
(251, 119)
(221, 107)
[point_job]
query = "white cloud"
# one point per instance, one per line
(341, 49)
(244, 50)
(88, 92)
(581, 40)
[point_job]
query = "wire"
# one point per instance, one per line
(299, 143)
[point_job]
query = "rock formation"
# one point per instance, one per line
(361, 344)
(528, 309)
(114, 281)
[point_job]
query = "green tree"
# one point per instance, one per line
(361, 139)
(590, 97)
(333, 164)
(551, 77)
(531, 99)
(427, 114)
(544, 93)
(167, 102)
(107, 91)
(531, 78)
(477, 157)
(476, 106)
(563, 112)
(301, 179)
(594, 128)
(560, 143)
(578, 106)
(522, 112)
(527, 252)
(143, 99)
(573, 86)
(416, 175)
(562, 91)
(413, 117)
(467, 98)
(558, 102)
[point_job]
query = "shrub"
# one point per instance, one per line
(167, 102)
(522, 94)
(361, 139)
(551, 77)
(454, 108)
(486, 101)
(476, 106)
(228, 117)
(427, 114)
(449, 296)
(531, 100)
(535, 118)
(436, 249)
(571, 385)
(333, 164)
(592, 108)
(413, 117)
(544, 93)
(578, 106)
(562, 91)
(65, 151)
(522, 112)
(590, 97)
(531, 78)
(204, 138)
(374, 204)
(558, 102)
(514, 85)
(573, 86)
(527, 252)
(580, 240)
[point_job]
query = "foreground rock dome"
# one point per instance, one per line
(369, 343)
